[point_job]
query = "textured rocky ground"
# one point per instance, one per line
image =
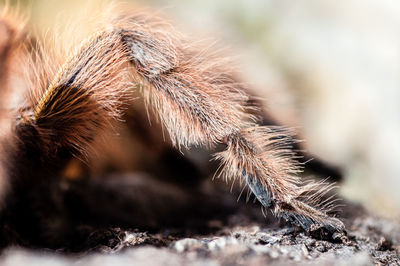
(90, 223)
(244, 238)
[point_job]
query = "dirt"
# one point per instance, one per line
(245, 237)
(90, 223)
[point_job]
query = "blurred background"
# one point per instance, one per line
(329, 68)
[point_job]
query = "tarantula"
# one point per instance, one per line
(196, 99)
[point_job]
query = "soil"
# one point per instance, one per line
(243, 236)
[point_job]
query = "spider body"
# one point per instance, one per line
(194, 97)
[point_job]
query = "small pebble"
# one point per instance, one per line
(321, 248)
(221, 242)
(304, 249)
(186, 244)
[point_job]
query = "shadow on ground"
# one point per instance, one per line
(91, 224)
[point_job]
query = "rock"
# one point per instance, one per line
(187, 244)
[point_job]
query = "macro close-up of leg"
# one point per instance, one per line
(129, 134)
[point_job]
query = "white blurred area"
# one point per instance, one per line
(330, 67)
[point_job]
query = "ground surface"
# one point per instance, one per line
(244, 238)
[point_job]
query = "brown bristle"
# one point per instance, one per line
(88, 90)
(263, 158)
(196, 101)
(194, 96)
